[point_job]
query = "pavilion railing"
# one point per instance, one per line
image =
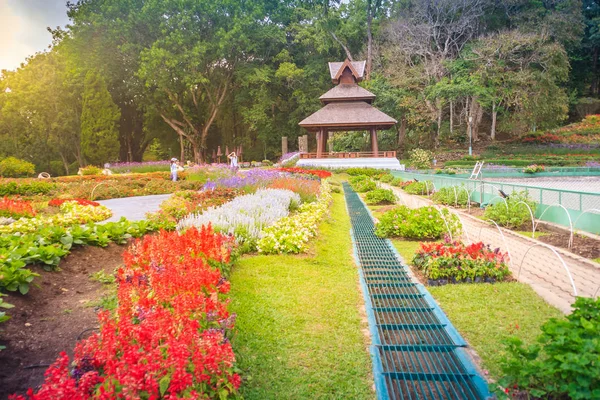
(382, 154)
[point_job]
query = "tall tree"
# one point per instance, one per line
(99, 118)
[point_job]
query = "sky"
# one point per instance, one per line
(23, 26)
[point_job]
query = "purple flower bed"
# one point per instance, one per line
(253, 178)
(147, 166)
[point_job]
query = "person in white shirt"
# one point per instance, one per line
(234, 160)
(174, 167)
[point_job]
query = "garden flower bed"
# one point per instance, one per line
(455, 262)
(291, 234)
(316, 172)
(246, 216)
(169, 335)
(16, 208)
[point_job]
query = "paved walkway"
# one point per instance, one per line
(133, 208)
(531, 262)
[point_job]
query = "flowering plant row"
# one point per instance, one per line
(16, 208)
(291, 234)
(316, 172)
(169, 338)
(71, 213)
(307, 189)
(456, 262)
(246, 216)
(83, 202)
(248, 181)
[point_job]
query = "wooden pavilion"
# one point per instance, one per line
(347, 107)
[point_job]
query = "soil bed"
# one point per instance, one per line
(582, 245)
(50, 318)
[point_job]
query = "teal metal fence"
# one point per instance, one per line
(562, 207)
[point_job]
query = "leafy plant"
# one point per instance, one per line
(90, 170)
(363, 171)
(420, 158)
(534, 168)
(25, 187)
(417, 223)
(12, 167)
(380, 196)
(512, 214)
(396, 182)
(386, 178)
(362, 184)
(452, 196)
(564, 362)
(420, 188)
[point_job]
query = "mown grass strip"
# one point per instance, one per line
(299, 330)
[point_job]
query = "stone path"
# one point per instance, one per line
(531, 262)
(133, 208)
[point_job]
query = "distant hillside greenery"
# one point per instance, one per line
(134, 80)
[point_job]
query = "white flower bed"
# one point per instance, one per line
(245, 216)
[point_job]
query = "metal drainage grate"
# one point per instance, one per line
(417, 353)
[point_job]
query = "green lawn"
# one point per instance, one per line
(299, 333)
(485, 314)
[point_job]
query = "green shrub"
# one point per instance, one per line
(564, 364)
(25, 189)
(363, 171)
(511, 214)
(358, 178)
(90, 170)
(421, 187)
(420, 158)
(452, 196)
(396, 182)
(534, 168)
(267, 163)
(387, 178)
(417, 223)
(381, 196)
(363, 185)
(12, 167)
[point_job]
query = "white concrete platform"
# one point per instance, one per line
(367, 162)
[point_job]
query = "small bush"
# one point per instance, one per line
(90, 170)
(12, 167)
(452, 196)
(396, 182)
(381, 196)
(420, 158)
(534, 168)
(417, 223)
(564, 362)
(267, 163)
(421, 187)
(387, 178)
(511, 214)
(363, 185)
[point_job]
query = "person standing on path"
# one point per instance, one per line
(234, 161)
(174, 167)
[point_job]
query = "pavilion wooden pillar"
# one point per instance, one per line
(374, 144)
(324, 138)
(320, 143)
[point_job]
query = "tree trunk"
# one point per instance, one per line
(595, 86)
(402, 133)
(65, 163)
(439, 122)
(477, 113)
(451, 117)
(369, 39)
(494, 115)
(181, 148)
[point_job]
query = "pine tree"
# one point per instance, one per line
(99, 119)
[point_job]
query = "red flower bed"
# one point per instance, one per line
(16, 208)
(83, 202)
(168, 337)
(455, 262)
(316, 172)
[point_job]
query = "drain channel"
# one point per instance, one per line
(416, 352)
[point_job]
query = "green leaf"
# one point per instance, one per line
(164, 384)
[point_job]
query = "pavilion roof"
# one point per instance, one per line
(350, 115)
(347, 92)
(359, 67)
